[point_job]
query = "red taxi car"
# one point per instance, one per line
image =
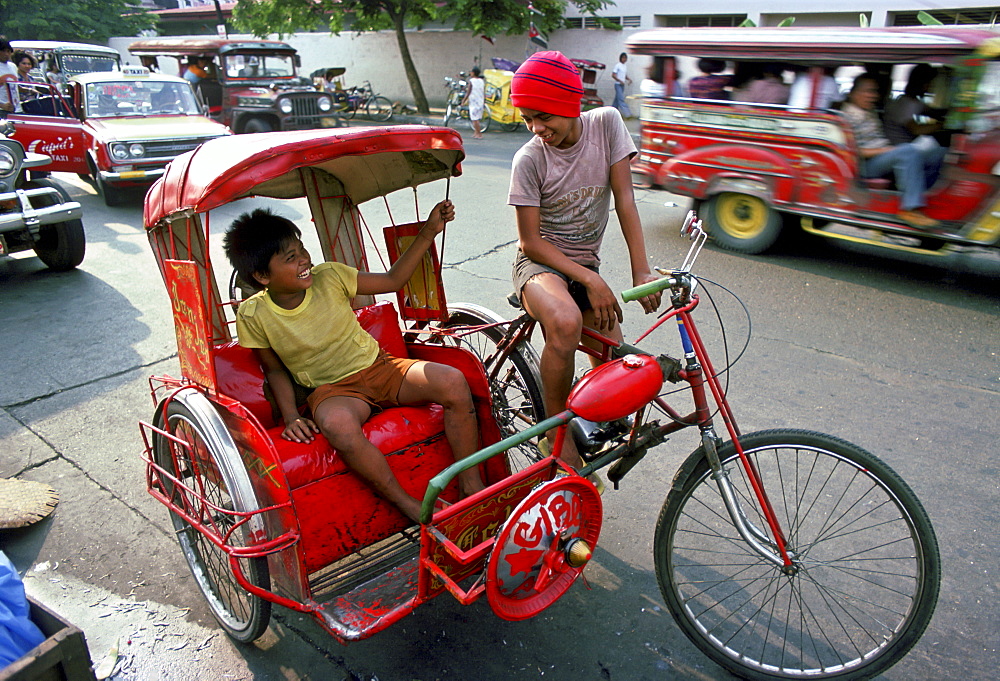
(118, 129)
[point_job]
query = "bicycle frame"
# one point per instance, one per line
(697, 371)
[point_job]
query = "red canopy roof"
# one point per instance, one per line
(368, 162)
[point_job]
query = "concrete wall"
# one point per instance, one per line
(375, 57)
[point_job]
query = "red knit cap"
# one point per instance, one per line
(548, 82)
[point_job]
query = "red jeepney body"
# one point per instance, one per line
(765, 163)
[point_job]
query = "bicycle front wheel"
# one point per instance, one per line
(515, 384)
(867, 563)
(379, 109)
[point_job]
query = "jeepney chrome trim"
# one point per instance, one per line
(33, 218)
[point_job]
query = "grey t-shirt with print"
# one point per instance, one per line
(572, 187)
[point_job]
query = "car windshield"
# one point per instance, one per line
(139, 98)
(259, 66)
(73, 64)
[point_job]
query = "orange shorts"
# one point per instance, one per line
(377, 385)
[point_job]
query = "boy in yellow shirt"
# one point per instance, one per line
(301, 327)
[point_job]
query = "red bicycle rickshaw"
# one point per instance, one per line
(781, 554)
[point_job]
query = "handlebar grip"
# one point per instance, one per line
(643, 290)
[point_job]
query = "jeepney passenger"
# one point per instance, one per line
(912, 170)
(799, 96)
(901, 114)
(711, 84)
(769, 88)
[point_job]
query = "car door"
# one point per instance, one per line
(48, 123)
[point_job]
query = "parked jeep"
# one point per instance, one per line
(251, 85)
(71, 58)
(117, 129)
(36, 214)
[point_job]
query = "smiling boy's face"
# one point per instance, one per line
(289, 270)
(560, 132)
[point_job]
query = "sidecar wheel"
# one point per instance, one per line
(220, 480)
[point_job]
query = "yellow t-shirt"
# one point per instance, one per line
(320, 341)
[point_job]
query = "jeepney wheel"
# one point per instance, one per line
(209, 476)
(60, 246)
(742, 223)
(257, 125)
(112, 195)
(515, 383)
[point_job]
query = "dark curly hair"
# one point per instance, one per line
(253, 238)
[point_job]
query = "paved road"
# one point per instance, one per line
(898, 356)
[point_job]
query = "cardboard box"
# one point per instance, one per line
(63, 656)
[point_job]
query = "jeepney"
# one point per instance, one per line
(764, 171)
(253, 85)
(71, 58)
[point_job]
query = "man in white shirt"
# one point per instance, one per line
(8, 73)
(620, 75)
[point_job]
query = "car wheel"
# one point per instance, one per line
(742, 223)
(61, 245)
(257, 125)
(112, 195)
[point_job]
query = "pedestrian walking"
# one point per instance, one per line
(620, 75)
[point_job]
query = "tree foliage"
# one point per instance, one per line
(88, 21)
(481, 17)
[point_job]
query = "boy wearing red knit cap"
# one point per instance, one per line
(561, 185)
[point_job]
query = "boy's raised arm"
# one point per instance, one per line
(371, 283)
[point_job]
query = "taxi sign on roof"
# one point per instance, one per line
(130, 71)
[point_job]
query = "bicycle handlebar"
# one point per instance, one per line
(692, 230)
(643, 290)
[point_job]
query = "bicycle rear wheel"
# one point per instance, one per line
(515, 384)
(379, 109)
(868, 567)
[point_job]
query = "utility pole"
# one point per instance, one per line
(220, 27)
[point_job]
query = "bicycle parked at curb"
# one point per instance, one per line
(349, 102)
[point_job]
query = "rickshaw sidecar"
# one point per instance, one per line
(264, 520)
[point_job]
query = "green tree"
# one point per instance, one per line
(88, 21)
(486, 17)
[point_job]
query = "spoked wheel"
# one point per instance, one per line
(449, 114)
(222, 481)
(484, 122)
(742, 223)
(379, 109)
(866, 564)
(515, 386)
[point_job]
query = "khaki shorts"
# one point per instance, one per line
(377, 385)
(524, 269)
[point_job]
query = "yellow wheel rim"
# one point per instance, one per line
(742, 216)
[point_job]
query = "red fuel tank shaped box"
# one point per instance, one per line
(616, 389)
